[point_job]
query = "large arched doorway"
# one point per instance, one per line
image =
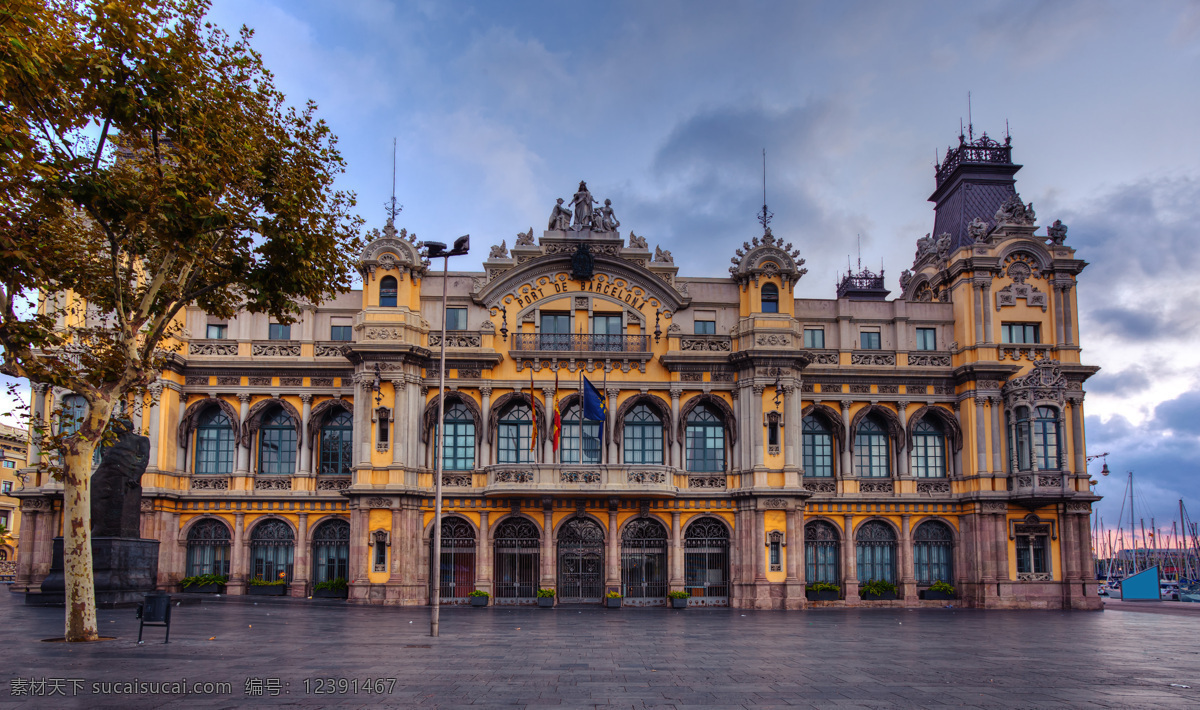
(644, 562)
(331, 551)
(706, 562)
(580, 561)
(516, 558)
(456, 573)
(208, 548)
(272, 550)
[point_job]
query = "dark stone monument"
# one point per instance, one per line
(124, 564)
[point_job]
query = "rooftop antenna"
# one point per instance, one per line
(1007, 135)
(970, 122)
(390, 206)
(765, 216)
(860, 252)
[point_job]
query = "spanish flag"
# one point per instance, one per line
(556, 425)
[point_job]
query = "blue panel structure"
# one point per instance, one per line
(1142, 587)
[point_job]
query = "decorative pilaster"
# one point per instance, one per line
(849, 560)
(847, 460)
(677, 444)
(613, 456)
(400, 424)
(485, 449)
(301, 567)
(305, 439)
(902, 452)
(243, 447)
(997, 463)
(548, 444)
(676, 579)
(237, 556)
(612, 558)
(483, 570)
(155, 413)
(548, 561)
(756, 425)
(39, 418)
(908, 579)
(980, 436)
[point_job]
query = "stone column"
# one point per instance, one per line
(849, 561)
(987, 311)
(677, 439)
(181, 447)
(364, 434)
(676, 579)
(549, 563)
(977, 299)
(756, 425)
(980, 436)
(416, 405)
(483, 555)
(902, 452)
(243, 447)
(790, 423)
(1084, 548)
(908, 578)
(760, 549)
(798, 553)
(793, 586)
(360, 551)
(305, 440)
(155, 412)
(237, 556)
(614, 458)
(997, 462)
(39, 417)
(1076, 403)
(735, 451)
(1067, 544)
(400, 422)
(485, 449)
(1056, 290)
(612, 563)
(302, 565)
(847, 460)
(1069, 314)
(25, 545)
(395, 573)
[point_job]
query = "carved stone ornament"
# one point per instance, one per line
(275, 349)
(994, 506)
(524, 239)
(943, 246)
(663, 256)
(35, 504)
(826, 358)
(213, 348)
(977, 230)
(646, 477)
(774, 503)
(214, 483)
(906, 278)
(514, 476)
(819, 486)
(716, 482)
(322, 382)
(281, 483)
(636, 242)
(579, 477)
(872, 358)
(499, 252)
(378, 502)
(774, 340)
(291, 381)
(457, 480)
(1044, 383)
(1019, 269)
(915, 360)
(259, 381)
(925, 247)
(1079, 507)
(930, 487)
(583, 264)
(875, 486)
(460, 339)
(1057, 233)
(229, 380)
(333, 484)
(1014, 211)
(378, 333)
(329, 350)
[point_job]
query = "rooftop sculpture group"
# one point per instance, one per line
(587, 216)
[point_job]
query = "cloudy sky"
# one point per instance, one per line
(665, 107)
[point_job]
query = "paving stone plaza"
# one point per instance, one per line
(585, 657)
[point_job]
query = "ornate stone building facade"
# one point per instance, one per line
(754, 443)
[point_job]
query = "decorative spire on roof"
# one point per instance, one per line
(765, 216)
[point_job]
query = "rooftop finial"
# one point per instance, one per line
(765, 216)
(390, 206)
(970, 122)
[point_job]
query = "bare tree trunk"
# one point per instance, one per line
(77, 527)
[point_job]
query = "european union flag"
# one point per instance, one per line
(594, 407)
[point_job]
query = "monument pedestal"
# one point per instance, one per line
(125, 568)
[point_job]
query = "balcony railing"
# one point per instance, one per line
(569, 342)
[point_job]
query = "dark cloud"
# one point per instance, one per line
(1130, 380)
(1180, 415)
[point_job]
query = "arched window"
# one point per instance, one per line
(272, 547)
(460, 439)
(643, 436)
(3, 554)
(568, 448)
(933, 553)
(72, 413)
(706, 561)
(580, 561)
(818, 448)
(214, 443)
(387, 292)
(515, 434)
(928, 450)
(876, 543)
(871, 450)
(770, 298)
(277, 443)
(208, 548)
(337, 445)
(644, 559)
(1045, 438)
(331, 551)
(821, 552)
(516, 543)
(705, 440)
(456, 573)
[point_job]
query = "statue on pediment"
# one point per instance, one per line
(1014, 211)
(560, 218)
(943, 246)
(608, 221)
(977, 230)
(663, 256)
(1057, 233)
(636, 242)
(499, 252)
(582, 202)
(924, 247)
(525, 239)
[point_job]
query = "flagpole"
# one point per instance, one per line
(581, 398)
(604, 424)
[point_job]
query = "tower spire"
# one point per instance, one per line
(765, 216)
(390, 206)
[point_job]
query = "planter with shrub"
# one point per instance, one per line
(612, 600)
(877, 590)
(204, 584)
(333, 589)
(545, 598)
(939, 590)
(822, 592)
(479, 597)
(679, 600)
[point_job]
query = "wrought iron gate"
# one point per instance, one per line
(580, 561)
(516, 561)
(456, 577)
(706, 562)
(644, 563)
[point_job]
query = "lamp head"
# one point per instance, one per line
(461, 245)
(434, 249)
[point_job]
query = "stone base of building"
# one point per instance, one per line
(388, 594)
(1077, 594)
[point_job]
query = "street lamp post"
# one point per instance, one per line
(434, 250)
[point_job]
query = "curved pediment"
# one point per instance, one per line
(549, 276)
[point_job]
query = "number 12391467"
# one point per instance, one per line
(347, 686)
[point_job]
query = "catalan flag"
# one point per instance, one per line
(533, 414)
(556, 424)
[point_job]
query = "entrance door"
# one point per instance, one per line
(580, 562)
